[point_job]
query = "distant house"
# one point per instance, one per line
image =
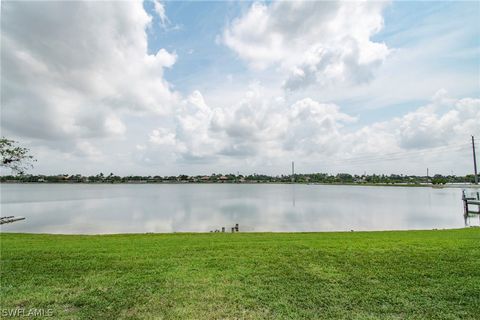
(62, 177)
(137, 181)
(205, 178)
(223, 178)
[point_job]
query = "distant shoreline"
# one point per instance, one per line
(435, 186)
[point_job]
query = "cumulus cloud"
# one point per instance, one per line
(315, 127)
(192, 121)
(263, 130)
(256, 126)
(443, 121)
(84, 84)
(313, 42)
(72, 70)
(162, 136)
(87, 150)
(439, 131)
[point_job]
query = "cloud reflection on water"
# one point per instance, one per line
(93, 209)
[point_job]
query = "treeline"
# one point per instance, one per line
(232, 178)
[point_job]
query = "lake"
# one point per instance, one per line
(139, 208)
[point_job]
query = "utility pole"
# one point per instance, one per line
(474, 160)
(293, 172)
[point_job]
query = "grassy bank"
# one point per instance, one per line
(371, 275)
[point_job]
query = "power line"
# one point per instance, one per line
(453, 149)
(404, 154)
(400, 157)
(462, 145)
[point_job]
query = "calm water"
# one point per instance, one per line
(90, 209)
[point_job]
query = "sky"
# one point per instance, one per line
(174, 87)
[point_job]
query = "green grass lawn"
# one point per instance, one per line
(356, 275)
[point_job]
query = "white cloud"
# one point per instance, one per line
(162, 136)
(261, 131)
(141, 147)
(192, 128)
(315, 127)
(436, 135)
(85, 149)
(73, 70)
(160, 11)
(256, 126)
(313, 42)
(83, 84)
(443, 121)
(114, 125)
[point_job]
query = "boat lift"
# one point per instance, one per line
(471, 205)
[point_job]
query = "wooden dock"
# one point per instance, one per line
(10, 219)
